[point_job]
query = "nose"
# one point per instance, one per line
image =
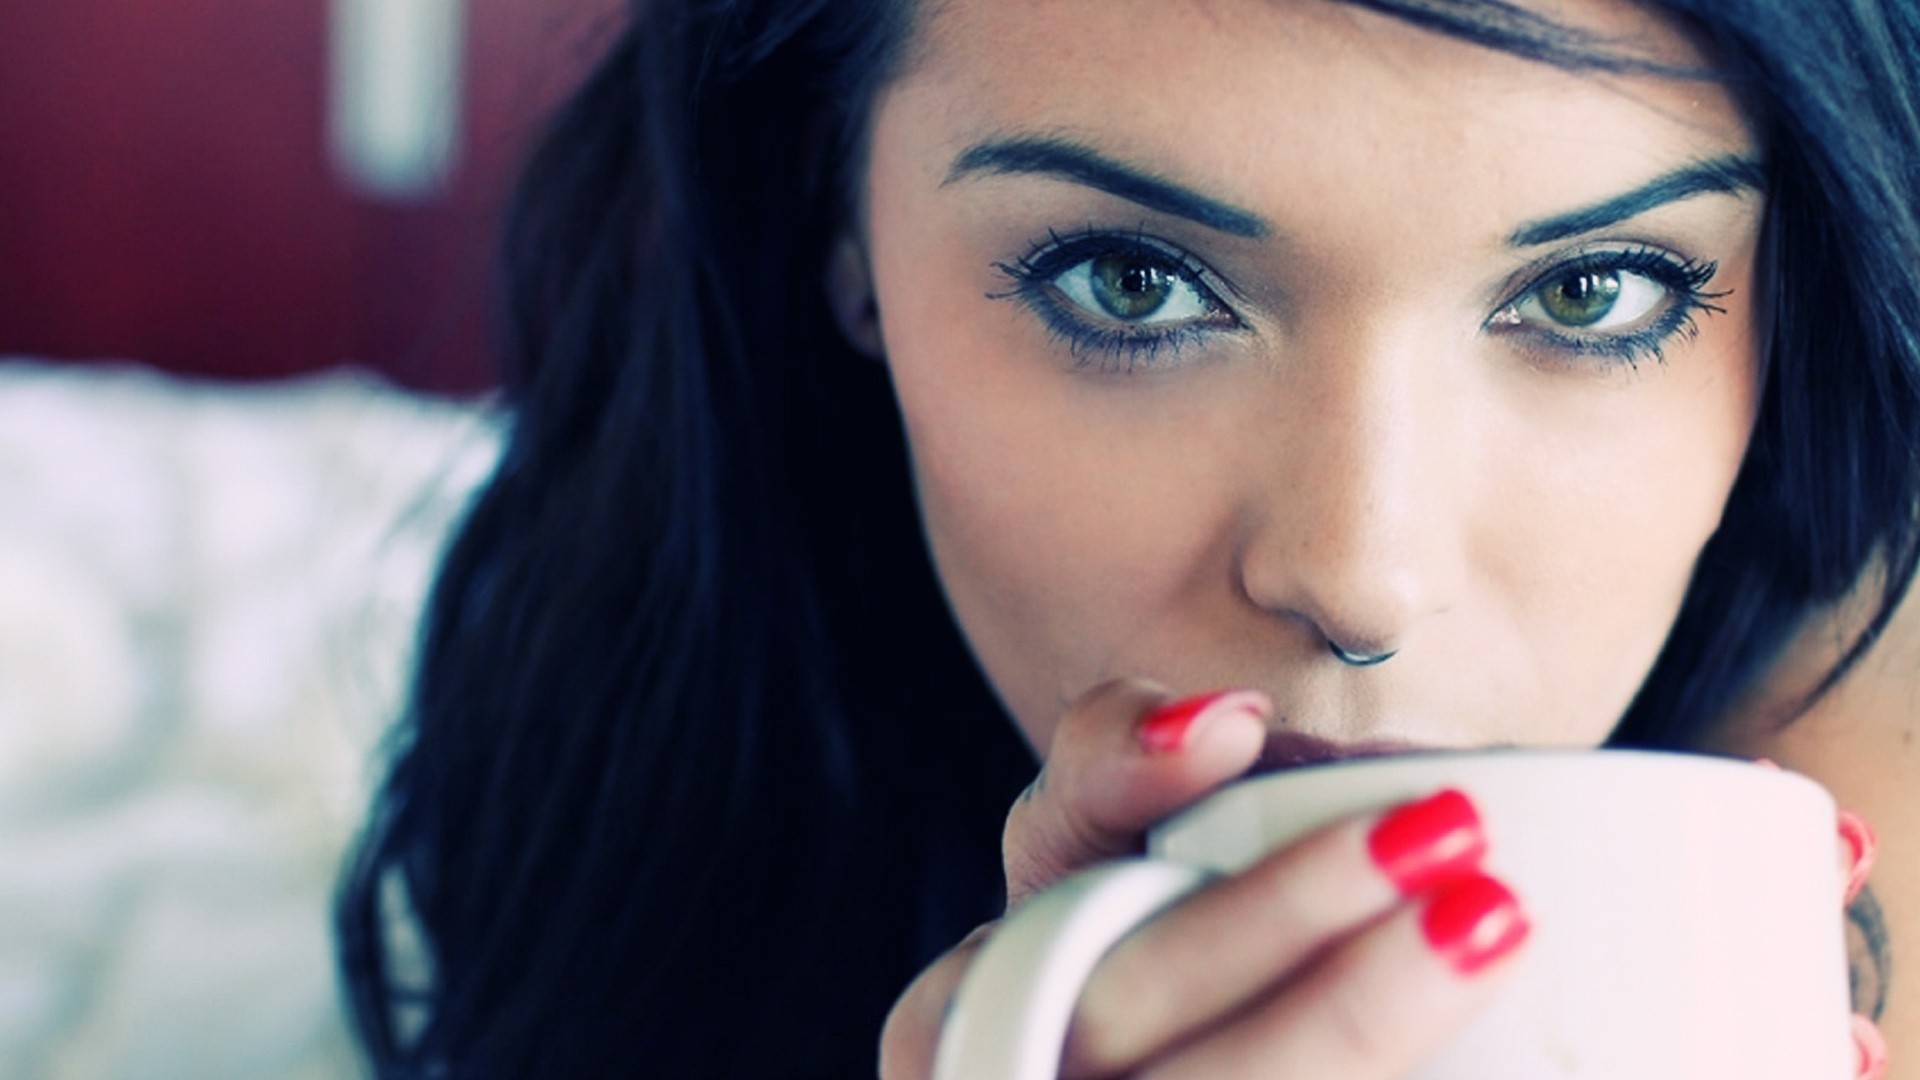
(1359, 514)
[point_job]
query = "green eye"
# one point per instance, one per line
(1133, 289)
(1590, 299)
(1581, 299)
(1128, 288)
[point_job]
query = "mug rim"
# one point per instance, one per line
(1605, 759)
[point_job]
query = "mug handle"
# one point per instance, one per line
(1009, 1017)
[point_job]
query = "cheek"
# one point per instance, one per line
(1607, 522)
(1056, 517)
(1064, 512)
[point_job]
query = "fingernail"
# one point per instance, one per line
(1426, 843)
(1767, 763)
(1166, 729)
(1862, 848)
(1473, 922)
(1870, 1047)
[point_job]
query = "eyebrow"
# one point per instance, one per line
(1069, 160)
(1721, 175)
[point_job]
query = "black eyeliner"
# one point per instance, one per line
(1685, 280)
(1032, 277)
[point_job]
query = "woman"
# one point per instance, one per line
(1440, 372)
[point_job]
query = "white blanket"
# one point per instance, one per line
(207, 601)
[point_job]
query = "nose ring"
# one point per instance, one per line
(1352, 659)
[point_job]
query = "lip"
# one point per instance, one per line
(1296, 750)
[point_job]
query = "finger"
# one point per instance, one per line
(1870, 1049)
(1235, 940)
(1859, 850)
(1123, 758)
(1381, 1003)
(912, 1030)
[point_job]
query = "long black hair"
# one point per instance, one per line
(697, 770)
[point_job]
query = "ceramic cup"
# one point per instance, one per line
(1686, 915)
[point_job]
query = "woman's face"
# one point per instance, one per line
(1229, 330)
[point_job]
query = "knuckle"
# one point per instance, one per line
(1113, 1031)
(1123, 695)
(1361, 1040)
(911, 1032)
(1023, 822)
(1098, 1045)
(1352, 1014)
(905, 1045)
(1026, 877)
(1044, 842)
(1024, 846)
(897, 1059)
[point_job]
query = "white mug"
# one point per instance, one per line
(1686, 915)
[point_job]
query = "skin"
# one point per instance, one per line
(1366, 462)
(1374, 442)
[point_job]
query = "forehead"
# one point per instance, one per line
(1266, 102)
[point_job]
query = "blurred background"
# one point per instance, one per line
(255, 188)
(246, 256)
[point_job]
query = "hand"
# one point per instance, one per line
(1857, 854)
(1857, 850)
(1354, 953)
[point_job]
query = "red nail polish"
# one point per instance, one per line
(1424, 844)
(1863, 847)
(1871, 1049)
(1165, 729)
(1473, 922)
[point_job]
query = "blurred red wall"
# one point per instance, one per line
(166, 194)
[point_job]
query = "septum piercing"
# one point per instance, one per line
(1358, 659)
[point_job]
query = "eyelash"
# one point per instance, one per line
(1121, 349)
(1684, 279)
(1115, 347)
